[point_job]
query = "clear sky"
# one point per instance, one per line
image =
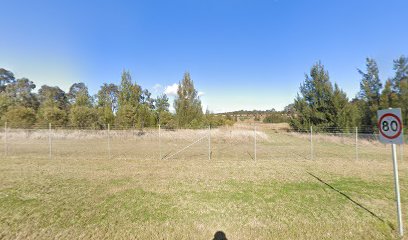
(241, 54)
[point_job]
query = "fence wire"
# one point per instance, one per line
(240, 143)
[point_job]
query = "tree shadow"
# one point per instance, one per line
(353, 201)
(220, 235)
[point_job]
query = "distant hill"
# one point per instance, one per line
(248, 112)
(266, 116)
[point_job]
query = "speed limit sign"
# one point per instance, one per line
(390, 126)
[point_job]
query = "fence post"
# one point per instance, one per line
(5, 140)
(357, 143)
(255, 142)
(209, 142)
(160, 143)
(109, 147)
(49, 140)
(311, 142)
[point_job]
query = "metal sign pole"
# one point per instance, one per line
(160, 143)
(50, 140)
(109, 147)
(357, 143)
(402, 145)
(311, 142)
(255, 143)
(390, 128)
(397, 189)
(209, 142)
(5, 139)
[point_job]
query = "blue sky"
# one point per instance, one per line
(241, 54)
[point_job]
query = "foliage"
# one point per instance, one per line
(319, 104)
(400, 86)
(217, 120)
(53, 97)
(128, 101)
(20, 93)
(53, 115)
(6, 77)
(127, 105)
(20, 117)
(276, 117)
(328, 109)
(189, 112)
(78, 95)
(370, 88)
(83, 116)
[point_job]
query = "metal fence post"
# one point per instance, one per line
(160, 143)
(311, 142)
(357, 143)
(5, 140)
(49, 141)
(109, 147)
(255, 142)
(209, 142)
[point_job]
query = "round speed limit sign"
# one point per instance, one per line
(390, 126)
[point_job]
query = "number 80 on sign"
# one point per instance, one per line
(390, 126)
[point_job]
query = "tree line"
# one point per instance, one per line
(126, 105)
(326, 107)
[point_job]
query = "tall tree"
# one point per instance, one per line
(128, 101)
(187, 103)
(400, 85)
(162, 103)
(54, 106)
(17, 93)
(6, 77)
(107, 103)
(145, 109)
(388, 97)
(107, 96)
(20, 93)
(82, 114)
(315, 104)
(79, 95)
(164, 117)
(53, 97)
(370, 87)
(343, 115)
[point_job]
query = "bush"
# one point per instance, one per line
(53, 115)
(126, 116)
(82, 117)
(276, 118)
(167, 120)
(19, 117)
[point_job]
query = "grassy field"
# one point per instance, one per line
(81, 193)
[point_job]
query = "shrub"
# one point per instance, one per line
(53, 115)
(82, 117)
(20, 117)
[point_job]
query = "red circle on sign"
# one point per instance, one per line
(399, 122)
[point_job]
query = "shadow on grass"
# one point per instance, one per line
(353, 201)
(220, 235)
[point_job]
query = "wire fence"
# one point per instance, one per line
(241, 142)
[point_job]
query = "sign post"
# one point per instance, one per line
(390, 127)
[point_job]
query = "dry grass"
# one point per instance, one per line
(81, 194)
